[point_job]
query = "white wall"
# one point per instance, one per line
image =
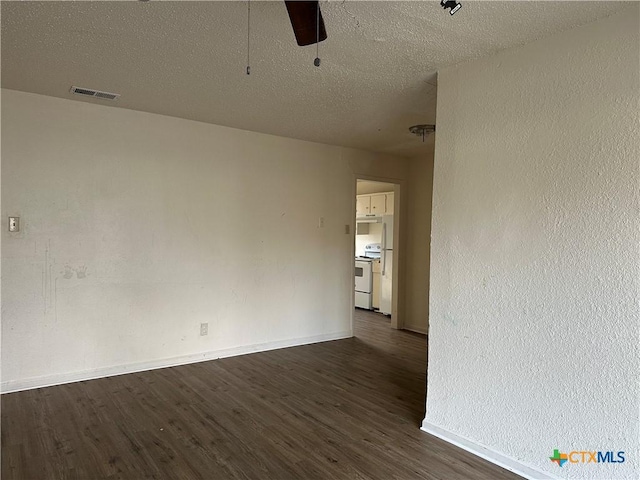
(374, 236)
(534, 319)
(138, 227)
(418, 243)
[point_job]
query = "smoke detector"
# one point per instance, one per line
(88, 92)
(422, 130)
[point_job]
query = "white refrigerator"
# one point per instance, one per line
(386, 265)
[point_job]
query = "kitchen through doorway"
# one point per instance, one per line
(376, 269)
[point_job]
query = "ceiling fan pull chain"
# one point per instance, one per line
(316, 62)
(248, 35)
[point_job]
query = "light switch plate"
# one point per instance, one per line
(14, 224)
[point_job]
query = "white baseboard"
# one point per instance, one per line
(415, 329)
(59, 379)
(488, 454)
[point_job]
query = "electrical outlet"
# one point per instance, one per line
(347, 229)
(321, 222)
(204, 329)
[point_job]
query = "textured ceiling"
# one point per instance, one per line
(187, 59)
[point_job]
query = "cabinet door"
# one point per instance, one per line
(375, 291)
(363, 205)
(378, 204)
(389, 206)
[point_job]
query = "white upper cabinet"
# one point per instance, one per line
(378, 204)
(374, 204)
(389, 204)
(363, 205)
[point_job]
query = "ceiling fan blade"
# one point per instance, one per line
(304, 20)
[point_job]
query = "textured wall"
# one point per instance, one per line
(138, 227)
(534, 324)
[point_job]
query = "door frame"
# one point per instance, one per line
(397, 301)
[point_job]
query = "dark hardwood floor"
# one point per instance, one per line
(347, 409)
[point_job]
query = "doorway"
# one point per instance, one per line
(376, 248)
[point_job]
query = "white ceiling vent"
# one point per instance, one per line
(87, 92)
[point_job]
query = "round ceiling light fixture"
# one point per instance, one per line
(422, 130)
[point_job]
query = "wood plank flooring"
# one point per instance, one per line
(347, 409)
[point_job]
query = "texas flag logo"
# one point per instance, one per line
(559, 458)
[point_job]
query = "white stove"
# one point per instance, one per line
(363, 282)
(364, 275)
(373, 250)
